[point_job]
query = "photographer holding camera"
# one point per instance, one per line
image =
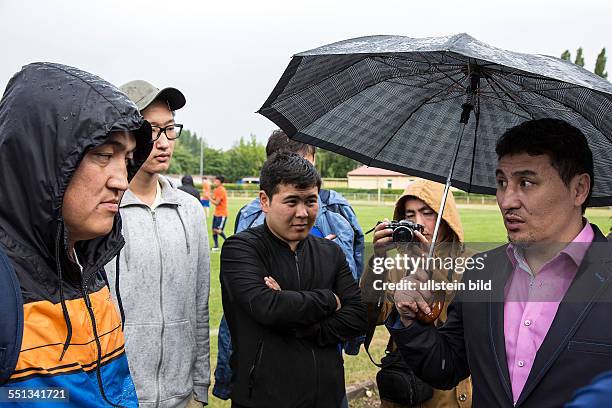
(414, 221)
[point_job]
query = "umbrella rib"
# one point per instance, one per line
(525, 74)
(418, 84)
(451, 54)
(538, 93)
(382, 60)
(505, 108)
(571, 110)
(444, 76)
(444, 73)
(528, 104)
(403, 123)
(444, 99)
(548, 89)
(492, 82)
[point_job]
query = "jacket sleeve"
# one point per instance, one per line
(334, 223)
(242, 277)
(350, 320)
(201, 374)
(437, 356)
(358, 240)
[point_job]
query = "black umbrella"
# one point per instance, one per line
(397, 103)
(435, 107)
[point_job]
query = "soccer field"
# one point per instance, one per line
(480, 224)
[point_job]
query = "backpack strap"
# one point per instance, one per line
(11, 323)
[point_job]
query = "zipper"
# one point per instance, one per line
(314, 357)
(161, 306)
(253, 369)
(297, 267)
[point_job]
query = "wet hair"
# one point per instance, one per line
(280, 142)
(565, 145)
(220, 178)
(290, 169)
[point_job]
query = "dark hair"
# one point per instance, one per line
(220, 178)
(565, 145)
(280, 142)
(287, 168)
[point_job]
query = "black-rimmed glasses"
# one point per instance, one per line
(171, 131)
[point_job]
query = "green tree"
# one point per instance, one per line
(183, 161)
(330, 164)
(600, 64)
(579, 57)
(215, 161)
(567, 56)
(245, 159)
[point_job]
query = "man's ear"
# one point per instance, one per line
(580, 188)
(264, 201)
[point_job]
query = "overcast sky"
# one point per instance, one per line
(227, 56)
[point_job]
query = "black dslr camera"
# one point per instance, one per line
(403, 231)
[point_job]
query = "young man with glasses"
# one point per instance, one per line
(165, 268)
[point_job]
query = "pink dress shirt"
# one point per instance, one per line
(531, 303)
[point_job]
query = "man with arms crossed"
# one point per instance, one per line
(289, 297)
(540, 333)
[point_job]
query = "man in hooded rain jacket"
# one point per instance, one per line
(69, 143)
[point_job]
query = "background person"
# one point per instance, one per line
(205, 196)
(166, 268)
(219, 199)
(417, 204)
(188, 187)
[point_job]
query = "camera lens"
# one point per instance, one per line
(403, 234)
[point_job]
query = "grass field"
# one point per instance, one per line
(481, 224)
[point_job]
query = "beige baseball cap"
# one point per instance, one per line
(142, 93)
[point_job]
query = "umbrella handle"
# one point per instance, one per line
(436, 308)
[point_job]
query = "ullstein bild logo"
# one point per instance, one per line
(432, 285)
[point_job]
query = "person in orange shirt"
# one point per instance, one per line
(219, 199)
(205, 196)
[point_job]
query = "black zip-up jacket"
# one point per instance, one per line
(285, 343)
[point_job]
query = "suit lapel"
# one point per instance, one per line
(591, 279)
(496, 319)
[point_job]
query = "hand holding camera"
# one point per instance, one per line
(387, 233)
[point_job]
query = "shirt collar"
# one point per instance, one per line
(576, 250)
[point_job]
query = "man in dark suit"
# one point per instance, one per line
(542, 330)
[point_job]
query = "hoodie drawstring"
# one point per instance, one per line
(61, 290)
(184, 230)
(117, 293)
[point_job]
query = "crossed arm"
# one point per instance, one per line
(326, 316)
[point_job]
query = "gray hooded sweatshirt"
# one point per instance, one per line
(164, 281)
